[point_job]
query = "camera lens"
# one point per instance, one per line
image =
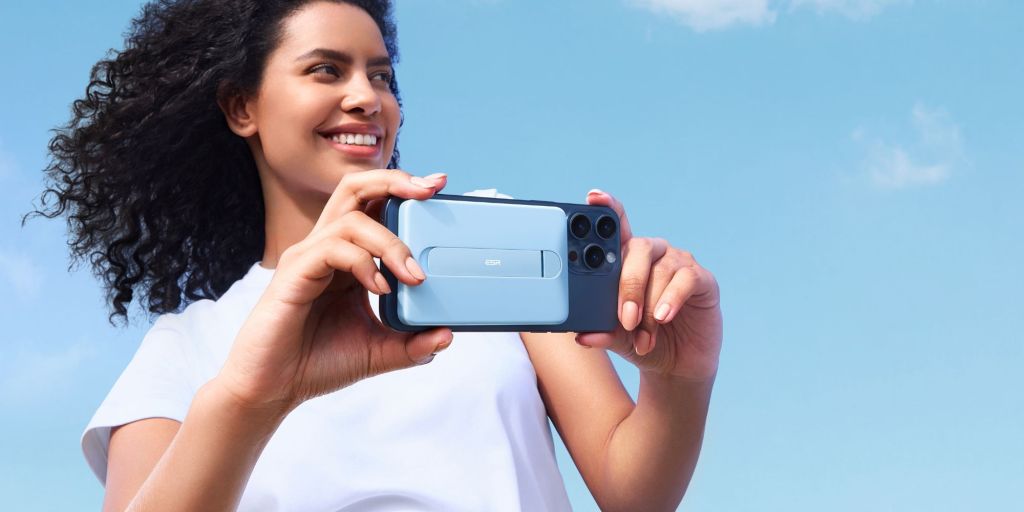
(606, 227)
(579, 225)
(594, 256)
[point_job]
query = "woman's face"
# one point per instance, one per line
(325, 90)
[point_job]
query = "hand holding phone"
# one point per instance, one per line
(312, 331)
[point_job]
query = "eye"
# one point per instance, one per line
(385, 76)
(324, 69)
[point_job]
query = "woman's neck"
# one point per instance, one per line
(290, 217)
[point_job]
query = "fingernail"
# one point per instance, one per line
(443, 345)
(414, 268)
(427, 359)
(641, 342)
(595, 191)
(382, 283)
(662, 311)
(437, 176)
(416, 180)
(630, 315)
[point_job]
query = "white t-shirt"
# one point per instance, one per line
(467, 431)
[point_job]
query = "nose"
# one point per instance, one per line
(360, 95)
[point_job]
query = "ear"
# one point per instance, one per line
(239, 110)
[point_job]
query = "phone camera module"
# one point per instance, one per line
(579, 225)
(593, 256)
(606, 227)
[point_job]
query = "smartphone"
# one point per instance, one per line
(502, 264)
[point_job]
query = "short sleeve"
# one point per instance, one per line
(155, 384)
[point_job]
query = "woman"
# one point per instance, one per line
(235, 152)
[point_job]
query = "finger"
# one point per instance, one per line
(421, 347)
(348, 257)
(398, 350)
(356, 227)
(374, 206)
(374, 209)
(320, 263)
(618, 341)
(684, 284)
(357, 189)
(638, 257)
(646, 334)
(599, 197)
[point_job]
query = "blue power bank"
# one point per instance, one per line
(495, 264)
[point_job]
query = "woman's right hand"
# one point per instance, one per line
(313, 332)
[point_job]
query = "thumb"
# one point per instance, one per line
(421, 347)
(401, 350)
(404, 349)
(619, 341)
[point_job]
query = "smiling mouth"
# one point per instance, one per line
(356, 145)
(353, 139)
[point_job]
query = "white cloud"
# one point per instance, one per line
(892, 167)
(704, 15)
(930, 160)
(30, 374)
(19, 273)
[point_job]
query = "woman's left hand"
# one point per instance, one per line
(670, 322)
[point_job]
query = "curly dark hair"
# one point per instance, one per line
(147, 162)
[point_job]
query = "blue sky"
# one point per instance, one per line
(850, 170)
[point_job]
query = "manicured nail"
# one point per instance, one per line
(416, 180)
(443, 345)
(641, 343)
(414, 268)
(382, 284)
(630, 315)
(662, 311)
(437, 176)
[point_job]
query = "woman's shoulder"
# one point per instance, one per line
(180, 351)
(235, 303)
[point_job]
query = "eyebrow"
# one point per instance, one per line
(325, 53)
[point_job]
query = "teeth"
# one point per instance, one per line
(357, 139)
